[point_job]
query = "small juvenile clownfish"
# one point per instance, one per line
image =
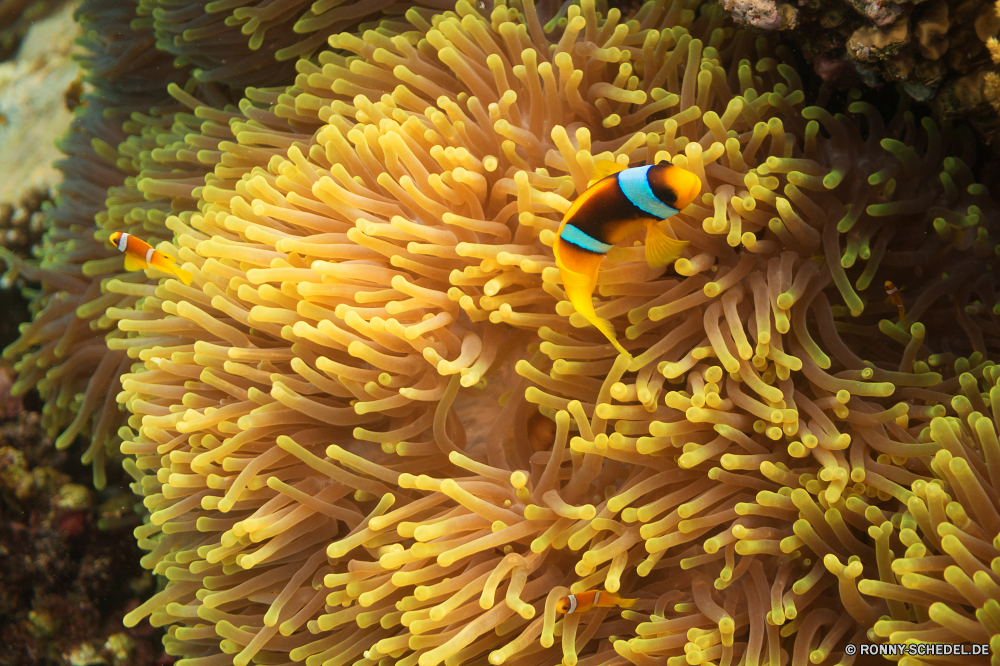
(585, 601)
(618, 203)
(140, 255)
(897, 300)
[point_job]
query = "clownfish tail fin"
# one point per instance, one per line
(661, 249)
(184, 275)
(608, 329)
(627, 603)
(167, 264)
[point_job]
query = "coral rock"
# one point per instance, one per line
(950, 39)
(871, 44)
(932, 31)
(765, 14)
(880, 12)
(837, 71)
(899, 67)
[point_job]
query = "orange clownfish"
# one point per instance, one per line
(618, 203)
(585, 601)
(897, 300)
(140, 255)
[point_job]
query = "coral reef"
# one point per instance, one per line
(68, 564)
(938, 50)
(764, 14)
(374, 428)
(22, 224)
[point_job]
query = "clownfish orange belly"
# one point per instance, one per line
(619, 202)
(140, 255)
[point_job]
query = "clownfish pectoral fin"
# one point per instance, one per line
(661, 249)
(135, 263)
(603, 169)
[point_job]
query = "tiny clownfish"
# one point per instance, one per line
(618, 203)
(585, 601)
(140, 255)
(897, 300)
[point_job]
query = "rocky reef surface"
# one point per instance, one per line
(69, 566)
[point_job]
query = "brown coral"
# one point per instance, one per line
(932, 32)
(872, 43)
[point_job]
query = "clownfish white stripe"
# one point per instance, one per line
(635, 184)
(597, 597)
(123, 242)
(573, 235)
(572, 604)
(149, 255)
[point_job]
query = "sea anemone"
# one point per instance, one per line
(127, 168)
(374, 428)
(63, 352)
(943, 588)
(256, 42)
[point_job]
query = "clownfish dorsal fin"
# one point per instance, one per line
(661, 249)
(603, 169)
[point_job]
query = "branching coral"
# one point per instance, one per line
(340, 465)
